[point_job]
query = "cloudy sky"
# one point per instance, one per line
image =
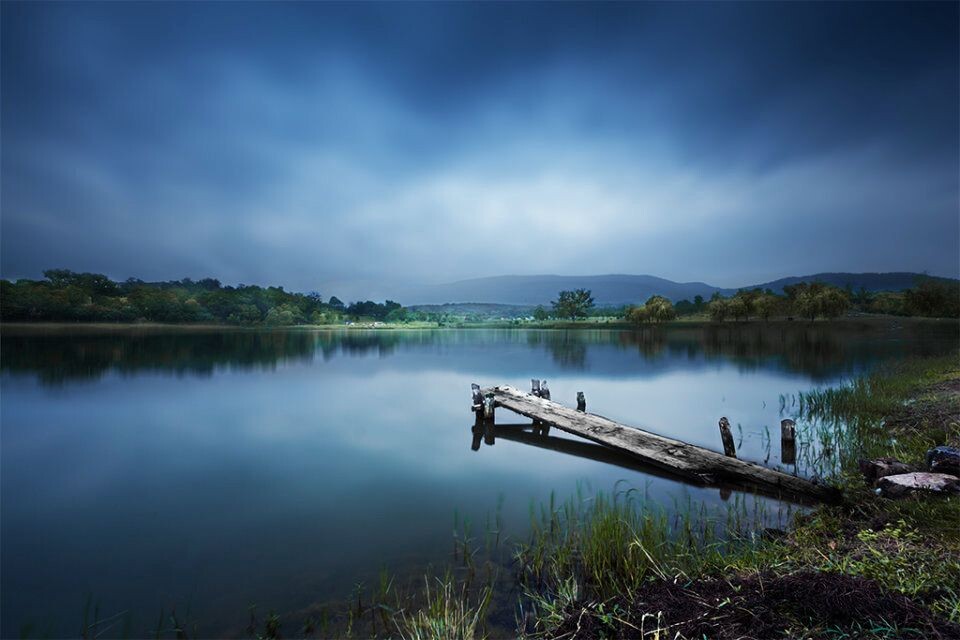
(347, 147)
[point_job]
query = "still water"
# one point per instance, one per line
(210, 470)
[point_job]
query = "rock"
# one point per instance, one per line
(902, 484)
(944, 460)
(873, 470)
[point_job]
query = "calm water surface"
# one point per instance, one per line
(211, 470)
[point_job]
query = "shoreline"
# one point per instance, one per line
(870, 567)
(865, 321)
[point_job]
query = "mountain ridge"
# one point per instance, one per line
(619, 289)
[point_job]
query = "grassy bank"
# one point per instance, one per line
(871, 567)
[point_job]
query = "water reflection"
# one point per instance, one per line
(65, 354)
(538, 435)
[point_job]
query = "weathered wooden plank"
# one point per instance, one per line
(699, 464)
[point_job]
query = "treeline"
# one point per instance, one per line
(66, 296)
(931, 298)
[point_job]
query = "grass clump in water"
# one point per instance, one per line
(448, 613)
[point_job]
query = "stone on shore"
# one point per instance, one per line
(944, 460)
(873, 470)
(903, 484)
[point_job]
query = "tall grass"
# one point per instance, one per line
(448, 613)
(859, 419)
(609, 545)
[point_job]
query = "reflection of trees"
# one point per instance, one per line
(649, 341)
(568, 348)
(818, 350)
(568, 351)
(57, 356)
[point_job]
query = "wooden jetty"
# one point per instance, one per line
(693, 463)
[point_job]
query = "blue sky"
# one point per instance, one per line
(348, 148)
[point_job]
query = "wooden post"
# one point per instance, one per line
(581, 401)
(477, 396)
(488, 436)
(535, 387)
(726, 435)
(544, 391)
(788, 441)
(477, 431)
(488, 406)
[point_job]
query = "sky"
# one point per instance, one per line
(352, 148)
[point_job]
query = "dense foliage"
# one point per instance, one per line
(931, 298)
(573, 304)
(655, 309)
(91, 297)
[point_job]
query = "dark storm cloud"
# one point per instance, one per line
(347, 147)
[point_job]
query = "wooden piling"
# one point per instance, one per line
(535, 387)
(581, 401)
(477, 431)
(544, 391)
(788, 429)
(727, 436)
(489, 433)
(488, 406)
(788, 441)
(477, 396)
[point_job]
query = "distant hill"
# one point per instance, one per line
(891, 281)
(534, 290)
(620, 289)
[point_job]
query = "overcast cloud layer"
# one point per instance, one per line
(343, 148)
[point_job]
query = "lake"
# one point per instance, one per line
(212, 469)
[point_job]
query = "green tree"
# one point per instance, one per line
(807, 304)
(685, 308)
(933, 298)
(245, 314)
(397, 315)
(540, 313)
(639, 314)
(766, 305)
(833, 302)
(284, 315)
(659, 309)
(719, 308)
(573, 304)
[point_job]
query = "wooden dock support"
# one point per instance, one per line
(581, 401)
(477, 396)
(727, 437)
(788, 441)
(489, 404)
(694, 463)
